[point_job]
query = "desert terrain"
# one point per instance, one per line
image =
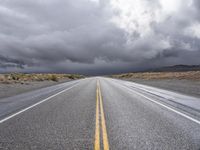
(16, 83)
(186, 82)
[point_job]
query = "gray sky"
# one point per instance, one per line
(98, 36)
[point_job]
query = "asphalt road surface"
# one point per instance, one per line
(100, 113)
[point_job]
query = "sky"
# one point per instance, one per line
(97, 37)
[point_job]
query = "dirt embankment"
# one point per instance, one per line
(16, 83)
(184, 82)
(23, 78)
(188, 75)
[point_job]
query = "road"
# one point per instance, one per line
(100, 113)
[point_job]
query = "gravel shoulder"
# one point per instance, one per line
(7, 90)
(188, 87)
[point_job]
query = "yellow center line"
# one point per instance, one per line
(99, 101)
(97, 134)
(103, 123)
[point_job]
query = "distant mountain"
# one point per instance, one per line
(177, 68)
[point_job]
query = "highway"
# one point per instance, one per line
(100, 113)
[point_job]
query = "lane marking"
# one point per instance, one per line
(180, 113)
(25, 109)
(100, 120)
(97, 134)
(103, 123)
(169, 108)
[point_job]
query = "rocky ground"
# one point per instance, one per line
(7, 90)
(188, 87)
(16, 83)
(187, 82)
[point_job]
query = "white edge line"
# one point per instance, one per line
(180, 113)
(154, 101)
(25, 109)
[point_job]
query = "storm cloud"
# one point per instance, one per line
(97, 36)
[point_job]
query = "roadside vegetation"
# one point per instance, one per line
(187, 75)
(22, 77)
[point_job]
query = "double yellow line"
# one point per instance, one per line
(100, 122)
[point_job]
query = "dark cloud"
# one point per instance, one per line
(6, 62)
(96, 37)
(197, 4)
